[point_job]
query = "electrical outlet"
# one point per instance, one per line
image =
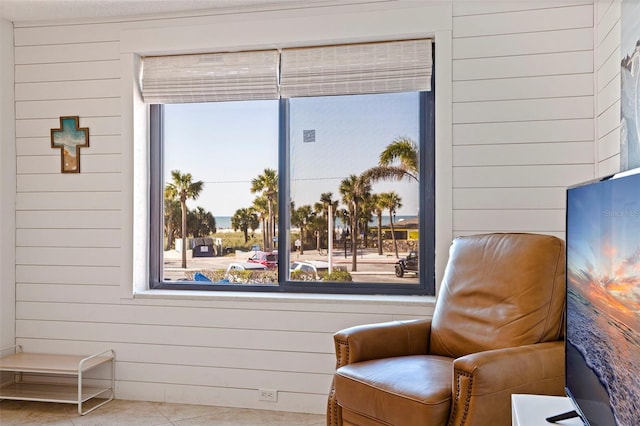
(268, 395)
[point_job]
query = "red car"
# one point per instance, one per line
(268, 259)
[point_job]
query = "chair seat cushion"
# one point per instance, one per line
(404, 390)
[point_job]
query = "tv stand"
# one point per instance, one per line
(564, 416)
(533, 410)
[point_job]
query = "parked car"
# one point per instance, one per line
(407, 264)
(311, 267)
(245, 266)
(268, 259)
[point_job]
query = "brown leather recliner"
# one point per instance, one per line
(496, 330)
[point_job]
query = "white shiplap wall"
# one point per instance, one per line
(73, 238)
(522, 130)
(7, 187)
(607, 86)
(523, 103)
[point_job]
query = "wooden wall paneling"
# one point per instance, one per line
(509, 198)
(523, 66)
(59, 53)
(520, 176)
(65, 34)
(68, 275)
(609, 144)
(78, 89)
(523, 21)
(608, 120)
(524, 154)
(536, 220)
(108, 163)
(523, 44)
(553, 86)
(88, 293)
(76, 200)
(68, 219)
(523, 132)
(73, 256)
(104, 107)
(99, 238)
(523, 110)
(499, 7)
(68, 71)
(609, 95)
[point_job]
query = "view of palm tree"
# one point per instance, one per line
(181, 188)
(267, 185)
(352, 190)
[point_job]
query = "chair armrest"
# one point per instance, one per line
(384, 340)
(484, 381)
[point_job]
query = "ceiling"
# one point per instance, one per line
(42, 10)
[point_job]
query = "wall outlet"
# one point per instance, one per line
(268, 395)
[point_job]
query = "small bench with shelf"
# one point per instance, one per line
(50, 367)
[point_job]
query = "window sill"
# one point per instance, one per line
(230, 296)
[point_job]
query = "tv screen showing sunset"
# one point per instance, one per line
(603, 299)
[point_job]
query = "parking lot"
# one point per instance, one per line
(371, 266)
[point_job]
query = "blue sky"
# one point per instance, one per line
(227, 144)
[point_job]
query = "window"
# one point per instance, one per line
(301, 192)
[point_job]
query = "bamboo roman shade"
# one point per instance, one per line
(352, 69)
(211, 77)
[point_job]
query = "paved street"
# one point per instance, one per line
(371, 266)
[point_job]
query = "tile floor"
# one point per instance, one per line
(143, 413)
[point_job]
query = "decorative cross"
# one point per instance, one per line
(70, 138)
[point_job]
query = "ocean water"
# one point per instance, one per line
(612, 351)
(224, 222)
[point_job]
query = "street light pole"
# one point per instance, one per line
(330, 238)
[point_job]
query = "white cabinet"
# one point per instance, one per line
(533, 410)
(58, 378)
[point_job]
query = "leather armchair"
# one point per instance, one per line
(496, 330)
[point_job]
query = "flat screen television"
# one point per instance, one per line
(603, 299)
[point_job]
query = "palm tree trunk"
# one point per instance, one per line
(269, 234)
(183, 206)
(393, 234)
(354, 238)
(169, 236)
(379, 234)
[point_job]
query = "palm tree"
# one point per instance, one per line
(260, 207)
(267, 184)
(398, 161)
(353, 190)
(392, 201)
(182, 188)
(378, 207)
(200, 222)
(171, 218)
(302, 217)
(245, 219)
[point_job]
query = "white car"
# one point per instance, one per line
(310, 267)
(245, 266)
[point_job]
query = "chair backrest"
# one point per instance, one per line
(498, 291)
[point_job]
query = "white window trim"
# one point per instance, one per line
(349, 24)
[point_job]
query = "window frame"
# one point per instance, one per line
(426, 202)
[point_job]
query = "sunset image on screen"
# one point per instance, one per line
(603, 283)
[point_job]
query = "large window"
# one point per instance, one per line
(320, 191)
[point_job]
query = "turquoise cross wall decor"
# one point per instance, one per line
(70, 138)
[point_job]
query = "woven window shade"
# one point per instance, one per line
(210, 77)
(352, 69)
